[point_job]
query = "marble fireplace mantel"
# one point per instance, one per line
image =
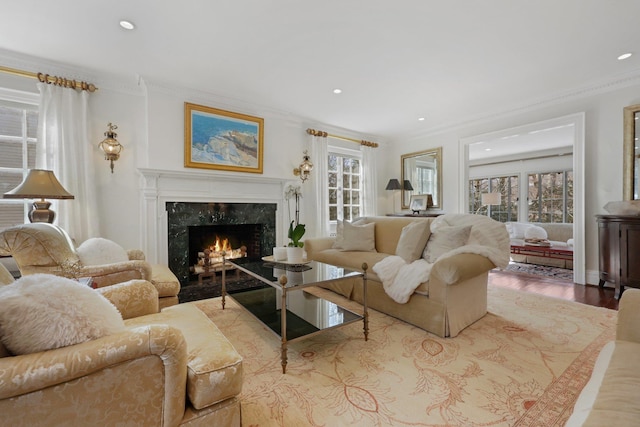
(158, 187)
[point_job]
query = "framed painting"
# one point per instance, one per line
(223, 140)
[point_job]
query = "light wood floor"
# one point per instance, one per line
(586, 294)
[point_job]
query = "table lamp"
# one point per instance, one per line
(39, 184)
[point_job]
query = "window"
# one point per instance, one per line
(508, 188)
(345, 186)
(18, 138)
(551, 197)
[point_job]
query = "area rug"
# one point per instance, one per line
(541, 270)
(523, 364)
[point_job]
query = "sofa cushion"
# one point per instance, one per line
(99, 251)
(40, 312)
(357, 237)
(340, 231)
(535, 232)
(214, 367)
(413, 240)
(444, 239)
(517, 229)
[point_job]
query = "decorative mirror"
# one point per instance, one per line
(423, 170)
(631, 160)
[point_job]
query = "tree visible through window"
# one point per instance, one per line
(345, 189)
(18, 137)
(508, 188)
(551, 197)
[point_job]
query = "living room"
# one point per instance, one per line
(148, 107)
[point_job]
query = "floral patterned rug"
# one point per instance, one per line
(523, 364)
(541, 270)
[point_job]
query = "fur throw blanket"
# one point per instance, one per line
(488, 238)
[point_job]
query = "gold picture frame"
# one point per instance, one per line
(222, 140)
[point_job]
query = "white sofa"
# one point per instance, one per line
(558, 234)
(611, 397)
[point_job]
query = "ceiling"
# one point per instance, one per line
(446, 61)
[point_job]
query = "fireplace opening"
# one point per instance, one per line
(207, 243)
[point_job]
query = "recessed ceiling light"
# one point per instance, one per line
(624, 56)
(127, 25)
(336, 91)
(421, 119)
(487, 149)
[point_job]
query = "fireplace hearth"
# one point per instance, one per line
(192, 227)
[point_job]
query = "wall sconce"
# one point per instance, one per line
(39, 184)
(305, 168)
(110, 145)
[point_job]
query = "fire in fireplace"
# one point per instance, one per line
(207, 243)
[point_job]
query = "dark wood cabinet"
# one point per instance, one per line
(619, 240)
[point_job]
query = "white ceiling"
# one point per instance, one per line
(447, 61)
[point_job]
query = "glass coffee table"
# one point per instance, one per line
(289, 313)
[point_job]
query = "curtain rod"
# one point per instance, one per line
(54, 80)
(324, 134)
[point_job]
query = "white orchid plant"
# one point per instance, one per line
(296, 230)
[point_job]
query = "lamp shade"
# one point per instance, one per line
(39, 184)
(407, 185)
(393, 184)
(491, 198)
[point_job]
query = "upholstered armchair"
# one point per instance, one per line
(163, 369)
(47, 248)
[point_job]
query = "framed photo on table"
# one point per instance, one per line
(419, 202)
(223, 140)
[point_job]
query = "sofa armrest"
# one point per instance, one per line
(134, 298)
(313, 246)
(37, 371)
(110, 274)
(459, 267)
(629, 316)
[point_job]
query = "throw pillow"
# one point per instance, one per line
(359, 237)
(99, 251)
(41, 312)
(340, 232)
(413, 240)
(445, 239)
(535, 232)
(517, 230)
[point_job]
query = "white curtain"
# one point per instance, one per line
(369, 181)
(320, 159)
(64, 147)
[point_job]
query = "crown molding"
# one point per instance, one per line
(617, 82)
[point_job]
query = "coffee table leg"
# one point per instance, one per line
(365, 312)
(283, 324)
(224, 280)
